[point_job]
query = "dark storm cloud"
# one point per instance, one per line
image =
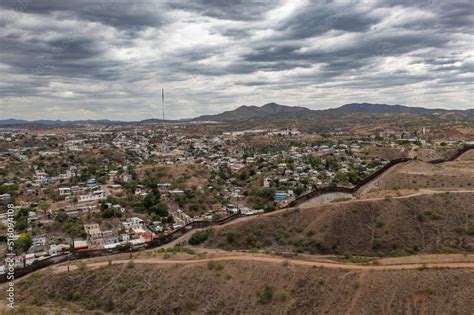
(346, 58)
(321, 16)
(72, 56)
(128, 15)
(86, 56)
(239, 10)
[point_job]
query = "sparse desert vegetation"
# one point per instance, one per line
(251, 287)
(391, 227)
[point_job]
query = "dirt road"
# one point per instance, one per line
(278, 260)
(421, 192)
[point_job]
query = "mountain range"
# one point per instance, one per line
(58, 122)
(269, 112)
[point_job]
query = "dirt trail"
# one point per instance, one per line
(422, 168)
(421, 192)
(357, 295)
(275, 260)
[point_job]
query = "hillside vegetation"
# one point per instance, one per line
(399, 226)
(418, 174)
(246, 288)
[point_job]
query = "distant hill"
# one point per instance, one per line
(384, 108)
(12, 122)
(251, 112)
(470, 112)
(276, 111)
(273, 112)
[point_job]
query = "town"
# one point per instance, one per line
(106, 187)
(237, 157)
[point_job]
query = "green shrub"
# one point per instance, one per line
(265, 295)
(423, 267)
(433, 215)
(360, 260)
(72, 296)
(190, 305)
(212, 265)
(377, 244)
(281, 295)
(348, 255)
(448, 250)
(122, 287)
(398, 253)
(199, 237)
(109, 304)
(470, 230)
(357, 284)
(181, 249)
(230, 237)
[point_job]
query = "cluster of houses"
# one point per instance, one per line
(288, 172)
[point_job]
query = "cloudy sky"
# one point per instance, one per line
(110, 59)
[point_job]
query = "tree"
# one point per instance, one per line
(151, 200)
(24, 242)
(160, 209)
(331, 163)
(22, 223)
(21, 219)
(61, 216)
(299, 190)
(74, 228)
(44, 205)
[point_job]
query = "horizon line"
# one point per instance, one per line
(190, 118)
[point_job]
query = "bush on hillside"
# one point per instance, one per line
(199, 237)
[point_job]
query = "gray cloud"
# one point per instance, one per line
(237, 10)
(121, 14)
(110, 59)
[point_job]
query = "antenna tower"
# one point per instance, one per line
(163, 103)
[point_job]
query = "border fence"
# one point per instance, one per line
(40, 264)
(352, 190)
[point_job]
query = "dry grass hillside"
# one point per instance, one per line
(418, 174)
(242, 287)
(397, 226)
(421, 153)
(469, 155)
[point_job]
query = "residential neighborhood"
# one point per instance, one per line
(119, 186)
